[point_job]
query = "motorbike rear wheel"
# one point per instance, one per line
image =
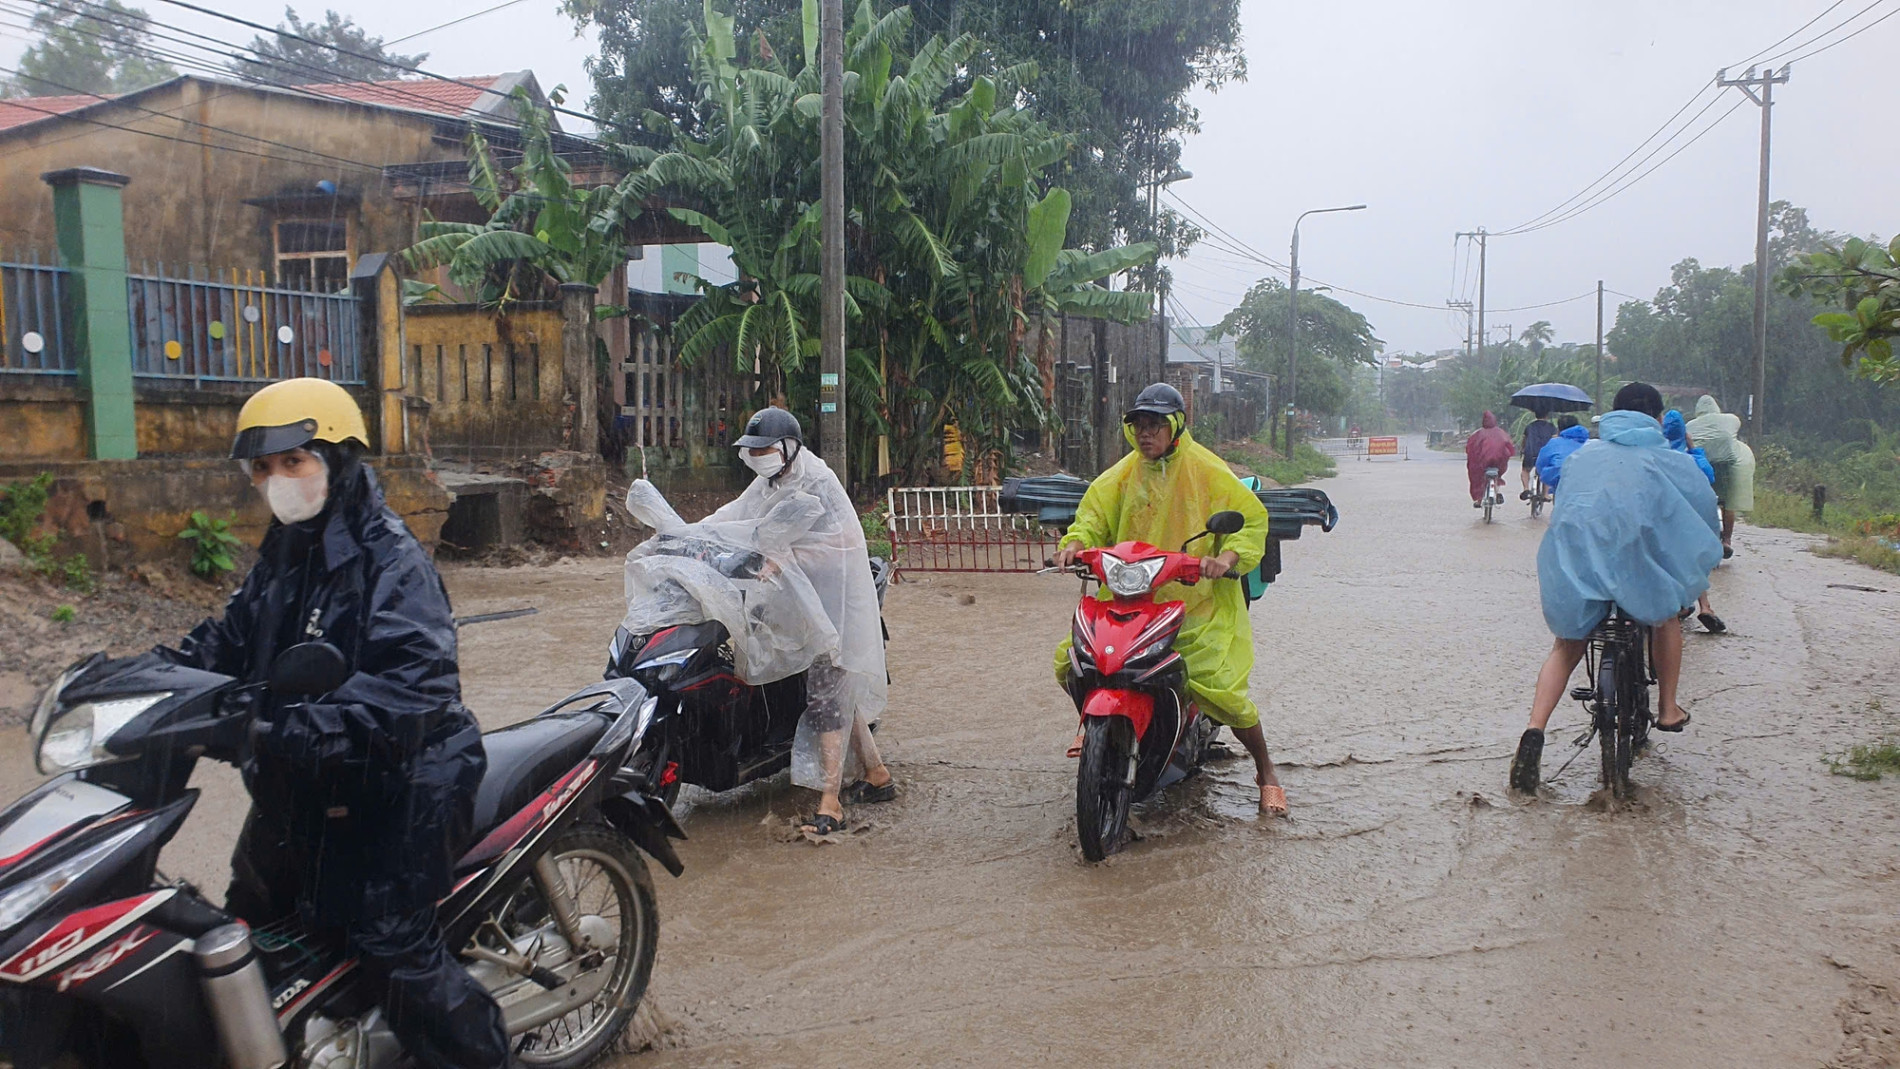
(1102, 790)
(607, 881)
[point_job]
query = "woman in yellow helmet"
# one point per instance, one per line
(361, 798)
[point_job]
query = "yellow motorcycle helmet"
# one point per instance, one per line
(295, 412)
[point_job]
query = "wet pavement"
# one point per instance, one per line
(1743, 912)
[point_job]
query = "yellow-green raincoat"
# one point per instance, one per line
(1164, 503)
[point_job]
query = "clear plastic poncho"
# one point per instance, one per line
(816, 606)
(1634, 525)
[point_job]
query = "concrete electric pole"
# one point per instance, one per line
(831, 391)
(1479, 236)
(1599, 394)
(1765, 99)
(1465, 307)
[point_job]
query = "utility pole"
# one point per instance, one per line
(1465, 307)
(831, 391)
(1748, 84)
(1293, 318)
(1480, 237)
(1599, 394)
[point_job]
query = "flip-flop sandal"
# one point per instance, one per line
(862, 793)
(1075, 748)
(1684, 614)
(1727, 552)
(1273, 799)
(1675, 727)
(1712, 622)
(821, 825)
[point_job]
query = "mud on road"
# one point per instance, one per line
(1743, 913)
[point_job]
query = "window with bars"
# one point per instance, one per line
(313, 254)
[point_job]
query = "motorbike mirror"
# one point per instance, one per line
(308, 668)
(1226, 522)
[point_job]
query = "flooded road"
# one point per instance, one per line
(1745, 913)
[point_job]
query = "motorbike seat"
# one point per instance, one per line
(525, 759)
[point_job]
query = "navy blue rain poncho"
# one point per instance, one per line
(1635, 526)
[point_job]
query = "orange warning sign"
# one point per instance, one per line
(1382, 447)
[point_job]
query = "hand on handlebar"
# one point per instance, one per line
(1065, 557)
(1219, 566)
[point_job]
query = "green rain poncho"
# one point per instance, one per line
(1164, 503)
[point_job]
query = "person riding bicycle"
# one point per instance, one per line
(362, 798)
(1162, 493)
(1488, 447)
(1635, 528)
(1571, 436)
(1536, 433)
(1676, 431)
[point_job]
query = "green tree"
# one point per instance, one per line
(953, 242)
(292, 58)
(1116, 72)
(1333, 340)
(1536, 336)
(1862, 277)
(87, 47)
(542, 229)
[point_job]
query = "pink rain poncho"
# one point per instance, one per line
(1490, 447)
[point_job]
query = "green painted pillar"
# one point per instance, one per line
(90, 222)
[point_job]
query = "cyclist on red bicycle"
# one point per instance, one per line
(1636, 527)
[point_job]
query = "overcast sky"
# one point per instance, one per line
(1440, 116)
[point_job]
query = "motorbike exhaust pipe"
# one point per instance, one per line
(239, 1002)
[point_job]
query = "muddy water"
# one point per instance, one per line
(1411, 914)
(1744, 913)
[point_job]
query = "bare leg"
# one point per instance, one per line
(1255, 740)
(1554, 679)
(831, 752)
(1524, 476)
(1728, 526)
(874, 771)
(1668, 650)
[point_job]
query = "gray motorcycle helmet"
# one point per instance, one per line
(1159, 399)
(770, 427)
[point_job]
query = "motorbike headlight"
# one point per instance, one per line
(77, 737)
(666, 665)
(49, 701)
(18, 903)
(1131, 578)
(1159, 645)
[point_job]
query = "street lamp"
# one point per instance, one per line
(1154, 205)
(1293, 321)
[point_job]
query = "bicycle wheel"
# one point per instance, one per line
(1490, 497)
(1537, 498)
(1611, 739)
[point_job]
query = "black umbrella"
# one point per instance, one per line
(1547, 397)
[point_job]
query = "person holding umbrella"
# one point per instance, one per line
(1541, 400)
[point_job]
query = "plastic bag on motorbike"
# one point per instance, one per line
(740, 573)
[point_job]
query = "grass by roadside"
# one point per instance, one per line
(1306, 464)
(1862, 515)
(1854, 531)
(1869, 761)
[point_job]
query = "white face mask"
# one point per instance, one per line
(767, 465)
(294, 500)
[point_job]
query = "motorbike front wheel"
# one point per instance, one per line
(1103, 789)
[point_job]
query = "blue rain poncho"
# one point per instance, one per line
(1635, 526)
(1550, 459)
(1677, 432)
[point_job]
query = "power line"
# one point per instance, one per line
(1630, 296)
(1580, 209)
(452, 22)
(279, 32)
(1849, 37)
(1844, 22)
(1791, 33)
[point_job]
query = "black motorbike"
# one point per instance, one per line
(711, 729)
(106, 962)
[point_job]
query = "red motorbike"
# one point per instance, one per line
(1141, 730)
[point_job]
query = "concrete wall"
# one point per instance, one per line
(492, 383)
(186, 202)
(132, 510)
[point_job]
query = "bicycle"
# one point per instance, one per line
(1492, 496)
(1620, 660)
(1538, 497)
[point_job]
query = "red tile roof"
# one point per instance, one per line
(424, 94)
(22, 110)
